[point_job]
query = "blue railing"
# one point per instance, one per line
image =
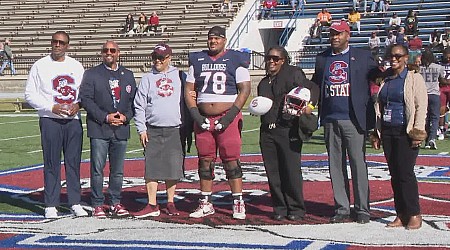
(233, 42)
(290, 26)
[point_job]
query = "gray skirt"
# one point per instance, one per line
(164, 157)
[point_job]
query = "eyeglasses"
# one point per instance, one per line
(112, 50)
(396, 56)
(273, 58)
(60, 42)
(159, 57)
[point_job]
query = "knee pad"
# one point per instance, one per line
(206, 173)
(233, 172)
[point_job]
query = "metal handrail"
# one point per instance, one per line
(233, 42)
(291, 24)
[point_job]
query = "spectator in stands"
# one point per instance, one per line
(142, 22)
(446, 39)
(226, 4)
(415, 43)
(153, 22)
(267, 8)
(7, 58)
(401, 38)
(298, 6)
(394, 22)
(159, 106)
(129, 24)
(107, 94)
(354, 19)
(390, 39)
(435, 40)
(315, 31)
(355, 4)
(374, 44)
(342, 72)
(377, 6)
(324, 17)
(411, 22)
(431, 72)
(52, 89)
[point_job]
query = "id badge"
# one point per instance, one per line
(387, 116)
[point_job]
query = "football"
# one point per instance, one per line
(259, 105)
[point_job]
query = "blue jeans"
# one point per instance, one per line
(115, 149)
(11, 64)
(433, 116)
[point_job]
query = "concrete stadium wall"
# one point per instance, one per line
(14, 87)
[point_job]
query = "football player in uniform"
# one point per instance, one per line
(221, 81)
(444, 84)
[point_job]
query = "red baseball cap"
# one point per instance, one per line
(340, 26)
(162, 50)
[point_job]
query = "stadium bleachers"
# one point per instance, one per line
(30, 23)
(432, 14)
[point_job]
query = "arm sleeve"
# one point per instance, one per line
(32, 95)
(140, 105)
(242, 75)
(87, 92)
(190, 76)
(130, 110)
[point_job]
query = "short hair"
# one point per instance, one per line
(446, 51)
(61, 32)
(427, 57)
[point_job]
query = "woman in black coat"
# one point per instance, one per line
(279, 136)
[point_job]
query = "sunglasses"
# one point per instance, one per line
(396, 56)
(273, 58)
(112, 50)
(159, 57)
(60, 42)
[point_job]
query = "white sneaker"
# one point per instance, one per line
(51, 213)
(239, 209)
(78, 210)
(204, 209)
(432, 144)
(441, 135)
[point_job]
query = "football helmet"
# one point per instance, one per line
(296, 101)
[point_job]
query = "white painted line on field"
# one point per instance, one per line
(443, 153)
(20, 137)
(250, 130)
(3, 123)
(135, 151)
(34, 151)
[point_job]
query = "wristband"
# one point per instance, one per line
(311, 106)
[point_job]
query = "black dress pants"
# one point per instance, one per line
(401, 159)
(281, 151)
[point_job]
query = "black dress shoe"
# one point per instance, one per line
(339, 218)
(278, 217)
(294, 217)
(363, 219)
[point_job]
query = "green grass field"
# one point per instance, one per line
(20, 141)
(20, 146)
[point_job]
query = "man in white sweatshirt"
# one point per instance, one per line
(52, 88)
